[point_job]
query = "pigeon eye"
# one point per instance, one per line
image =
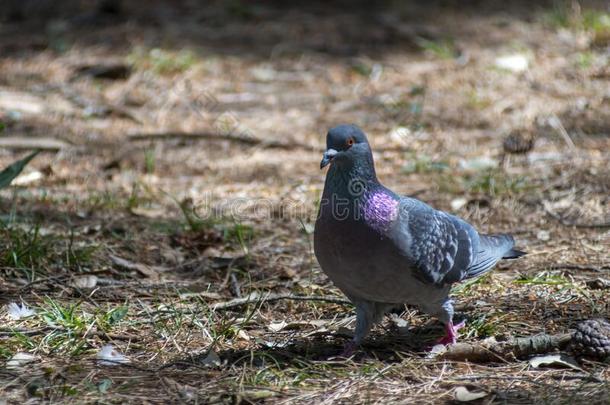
(350, 141)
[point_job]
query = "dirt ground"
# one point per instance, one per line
(170, 213)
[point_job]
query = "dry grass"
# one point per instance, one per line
(135, 241)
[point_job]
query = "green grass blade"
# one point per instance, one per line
(8, 175)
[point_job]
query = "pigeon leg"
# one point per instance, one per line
(367, 314)
(451, 333)
(365, 319)
(445, 315)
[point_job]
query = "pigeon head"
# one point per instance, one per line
(346, 145)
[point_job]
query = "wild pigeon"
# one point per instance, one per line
(383, 250)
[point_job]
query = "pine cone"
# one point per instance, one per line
(518, 142)
(592, 339)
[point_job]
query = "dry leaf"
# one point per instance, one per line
(86, 282)
(148, 271)
(211, 359)
(19, 360)
(243, 335)
(557, 360)
(25, 179)
(462, 394)
(277, 326)
(109, 356)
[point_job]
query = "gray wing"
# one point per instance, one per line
(442, 248)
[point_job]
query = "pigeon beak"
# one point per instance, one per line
(328, 156)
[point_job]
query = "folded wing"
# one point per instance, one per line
(442, 248)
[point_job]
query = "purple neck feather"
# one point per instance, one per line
(380, 210)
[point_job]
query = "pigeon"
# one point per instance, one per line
(383, 250)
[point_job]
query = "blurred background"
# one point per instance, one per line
(181, 143)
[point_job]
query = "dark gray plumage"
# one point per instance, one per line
(383, 250)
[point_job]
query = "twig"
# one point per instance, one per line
(500, 377)
(247, 140)
(518, 347)
(571, 266)
(238, 302)
(46, 329)
(62, 277)
(235, 285)
(22, 142)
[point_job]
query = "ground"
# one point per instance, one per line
(189, 178)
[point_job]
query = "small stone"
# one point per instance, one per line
(458, 203)
(514, 63)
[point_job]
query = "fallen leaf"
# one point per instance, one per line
(109, 356)
(463, 394)
(86, 282)
(211, 359)
(25, 179)
(243, 335)
(277, 326)
(149, 212)
(557, 360)
(281, 325)
(148, 271)
(19, 360)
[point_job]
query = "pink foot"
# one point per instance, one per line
(349, 349)
(451, 333)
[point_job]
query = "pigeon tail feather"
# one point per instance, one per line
(513, 254)
(492, 249)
